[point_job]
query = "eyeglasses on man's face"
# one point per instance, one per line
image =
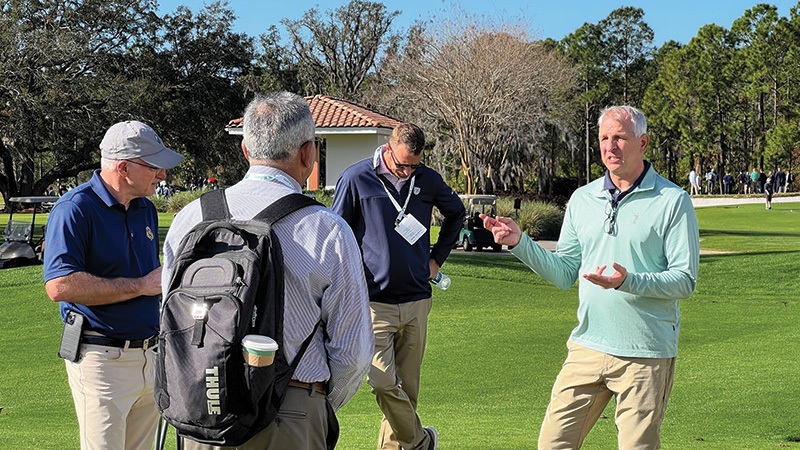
(610, 225)
(402, 166)
(153, 168)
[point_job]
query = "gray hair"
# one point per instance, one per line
(276, 125)
(619, 112)
(108, 164)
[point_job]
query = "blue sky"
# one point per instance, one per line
(669, 19)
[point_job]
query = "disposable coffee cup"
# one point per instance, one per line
(259, 351)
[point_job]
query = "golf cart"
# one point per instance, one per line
(473, 235)
(19, 248)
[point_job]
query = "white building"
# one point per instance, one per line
(346, 133)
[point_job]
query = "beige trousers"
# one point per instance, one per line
(588, 380)
(113, 393)
(400, 335)
(301, 424)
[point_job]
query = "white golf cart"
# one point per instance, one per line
(20, 248)
(473, 236)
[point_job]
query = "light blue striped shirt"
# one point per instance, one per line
(324, 277)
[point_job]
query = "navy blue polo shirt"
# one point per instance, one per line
(90, 231)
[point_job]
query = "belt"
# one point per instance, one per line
(144, 344)
(317, 386)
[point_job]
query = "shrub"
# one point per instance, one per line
(538, 219)
(159, 202)
(175, 202)
(560, 200)
(324, 196)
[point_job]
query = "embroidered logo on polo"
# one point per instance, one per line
(149, 233)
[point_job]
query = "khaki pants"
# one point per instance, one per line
(400, 334)
(113, 393)
(301, 424)
(587, 382)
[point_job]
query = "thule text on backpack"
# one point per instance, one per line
(212, 390)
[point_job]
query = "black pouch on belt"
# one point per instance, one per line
(71, 338)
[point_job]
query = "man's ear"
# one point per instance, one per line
(307, 154)
(244, 149)
(122, 167)
(645, 139)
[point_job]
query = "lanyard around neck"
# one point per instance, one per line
(279, 178)
(402, 210)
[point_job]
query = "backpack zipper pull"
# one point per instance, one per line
(199, 314)
(255, 314)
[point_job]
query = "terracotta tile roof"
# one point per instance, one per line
(329, 112)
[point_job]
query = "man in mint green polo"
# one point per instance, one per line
(756, 189)
(631, 239)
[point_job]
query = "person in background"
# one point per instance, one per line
(727, 183)
(779, 180)
(768, 191)
(101, 264)
(631, 279)
(711, 180)
(754, 187)
(743, 183)
(694, 187)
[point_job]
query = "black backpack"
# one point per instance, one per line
(227, 282)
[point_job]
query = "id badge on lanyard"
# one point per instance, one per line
(406, 224)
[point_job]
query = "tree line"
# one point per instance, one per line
(504, 110)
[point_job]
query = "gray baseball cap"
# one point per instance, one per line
(133, 139)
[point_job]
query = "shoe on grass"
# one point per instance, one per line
(434, 437)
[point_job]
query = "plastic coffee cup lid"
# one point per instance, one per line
(259, 343)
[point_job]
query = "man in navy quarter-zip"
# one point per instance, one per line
(388, 200)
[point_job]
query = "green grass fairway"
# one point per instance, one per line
(497, 340)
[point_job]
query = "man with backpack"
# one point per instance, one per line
(325, 294)
(711, 179)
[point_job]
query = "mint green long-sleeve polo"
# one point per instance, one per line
(656, 240)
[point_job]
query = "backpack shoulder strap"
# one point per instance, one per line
(304, 346)
(284, 206)
(214, 205)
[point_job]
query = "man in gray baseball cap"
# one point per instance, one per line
(102, 267)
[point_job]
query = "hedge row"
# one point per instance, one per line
(538, 218)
